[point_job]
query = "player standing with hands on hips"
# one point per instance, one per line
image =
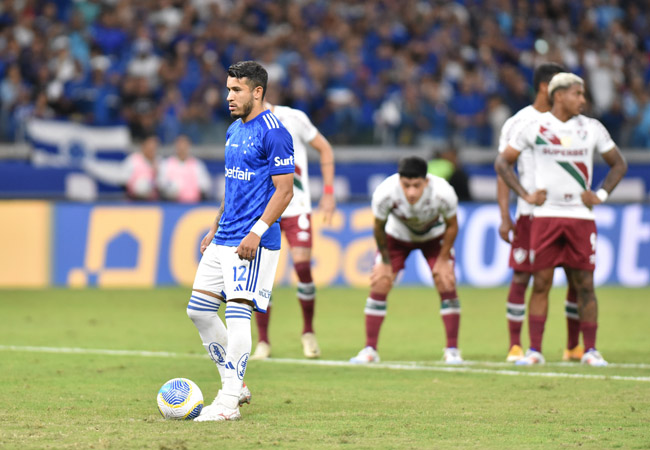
(563, 229)
(520, 242)
(242, 248)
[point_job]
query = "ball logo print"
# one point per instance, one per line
(180, 399)
(217, 353)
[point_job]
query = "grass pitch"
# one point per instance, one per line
(81, 369)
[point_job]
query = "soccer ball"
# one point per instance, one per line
(180, 399)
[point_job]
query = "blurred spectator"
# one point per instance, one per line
(139, 169)
(445, 165)
(11, 88)
(430, 71)
(182, 177)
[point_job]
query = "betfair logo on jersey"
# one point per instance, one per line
(238, 174)
(283, 161)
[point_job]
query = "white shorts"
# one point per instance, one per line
(221, 272)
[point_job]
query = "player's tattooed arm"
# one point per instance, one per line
(503, 194)
(382, 240)
(213, 230)
(381, 276)
(504, 166)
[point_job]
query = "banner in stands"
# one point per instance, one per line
(65, 144)
(113, 245)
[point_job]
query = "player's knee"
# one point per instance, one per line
(542, 283)
(382, 286)
(521, 278)
(202, 306)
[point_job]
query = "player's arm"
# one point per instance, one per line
(504, 166)
(277, 204)
(213, 230)
(327, 202)
(383, 268)
(617, 168)
(503, 199)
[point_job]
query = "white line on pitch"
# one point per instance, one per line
(465, 368)
(457, 369)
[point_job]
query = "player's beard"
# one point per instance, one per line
(247, 108)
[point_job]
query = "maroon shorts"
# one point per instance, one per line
(400, 250)
(563, 241)
(520, 246)
(297, 230)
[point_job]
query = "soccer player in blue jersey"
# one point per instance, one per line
(242, 247)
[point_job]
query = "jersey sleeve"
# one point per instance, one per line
(307, 129)
(449, 200)
(506, 132)
(520, 140)
(381, 201)
(279, 146)
(604, 142)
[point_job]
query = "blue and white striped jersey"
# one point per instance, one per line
(255, 151)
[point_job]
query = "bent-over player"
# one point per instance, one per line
(413, 211)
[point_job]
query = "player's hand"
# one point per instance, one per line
(505, 228)
(443, 274)
(381, 271)
(537, 198)
(247, 248)
(589, 198)
(206, 241)
(327, 205)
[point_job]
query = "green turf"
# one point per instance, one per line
(52, 400)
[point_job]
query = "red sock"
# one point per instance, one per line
(306, 295)
(589, 334)
(450, 313)
(536, 331)
(375, 313)
(262, 320)
(572, 322)
(452, 322)
(516, 311)
(307, 316)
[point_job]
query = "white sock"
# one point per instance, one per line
(238, 319)
(202, 309)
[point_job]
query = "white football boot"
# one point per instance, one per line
(244, 397)
(310, 345)
(451, 355)
(219, 413)
(593, 358)
(367, 355)
(532, 358)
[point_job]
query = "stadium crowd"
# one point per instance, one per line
(413, 72)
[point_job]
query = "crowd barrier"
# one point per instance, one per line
(145, 245)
